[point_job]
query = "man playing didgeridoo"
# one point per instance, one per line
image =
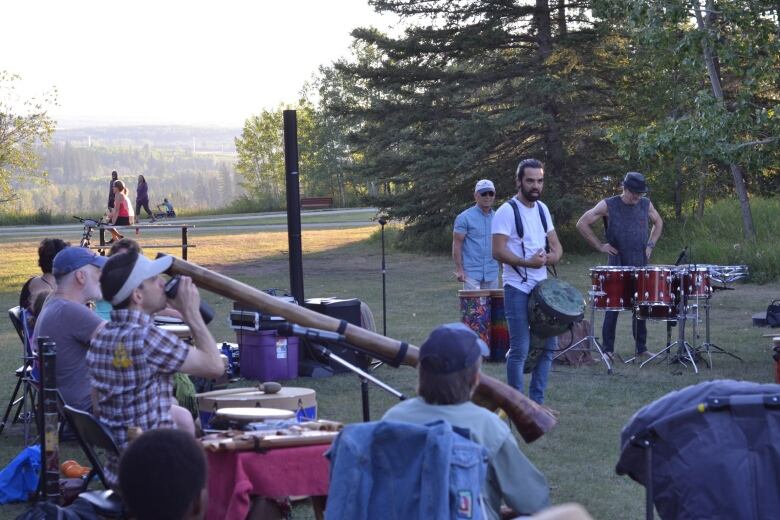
(131, 362)
(627, 217)
(525, 252)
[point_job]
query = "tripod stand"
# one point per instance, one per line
(685, 352)
(590, 338)
(708, 346)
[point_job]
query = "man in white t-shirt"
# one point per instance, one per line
(525, 259)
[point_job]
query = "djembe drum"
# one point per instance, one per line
(553, 306)
(475, 312)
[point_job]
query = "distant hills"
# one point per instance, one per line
(195, 139)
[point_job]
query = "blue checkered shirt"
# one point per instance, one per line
(131, 363)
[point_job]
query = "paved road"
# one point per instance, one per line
(206, 222)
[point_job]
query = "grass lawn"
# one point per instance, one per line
(578, 457)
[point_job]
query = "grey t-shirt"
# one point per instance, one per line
(511, 476)
(71, 326)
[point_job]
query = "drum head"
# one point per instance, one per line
(254, 414)
(560, 298)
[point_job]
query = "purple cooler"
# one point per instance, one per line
(266, 356)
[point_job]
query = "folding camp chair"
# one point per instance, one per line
(23, 398)
(96, 441)
(707, 451)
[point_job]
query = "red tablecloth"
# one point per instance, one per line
(281, 472)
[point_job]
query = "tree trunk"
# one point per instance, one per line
(737, 173)
(678, 184)
(702, 190)
(561, 18)
(553, 144)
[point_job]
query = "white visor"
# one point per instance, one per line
(142, 270)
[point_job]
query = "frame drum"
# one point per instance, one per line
(243, 416)
(301, 401)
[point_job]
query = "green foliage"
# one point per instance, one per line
(716, 238)
(24, 125)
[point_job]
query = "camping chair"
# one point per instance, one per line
(23, 397)
(94, 438)
(707, 451)
(402, 470)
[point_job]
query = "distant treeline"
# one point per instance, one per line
(78, 178)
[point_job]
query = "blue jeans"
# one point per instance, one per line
(516, 307)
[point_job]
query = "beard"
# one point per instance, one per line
(531, 196)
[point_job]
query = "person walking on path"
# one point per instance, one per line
(142, 198)
(114, 177)
(122, 214)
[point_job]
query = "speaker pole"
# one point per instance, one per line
(293, 204)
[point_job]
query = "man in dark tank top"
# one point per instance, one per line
(633, 227)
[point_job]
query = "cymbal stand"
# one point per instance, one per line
(685, 352)
(708, 345)
(590, 338)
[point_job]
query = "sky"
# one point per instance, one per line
(190, 62)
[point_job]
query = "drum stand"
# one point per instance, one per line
(708, 347)
(590, 338)
(685, 352)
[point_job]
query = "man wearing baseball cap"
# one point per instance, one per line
(472, 241)
(627, 218)
(68, 321)
(131, 362)
(448, 370)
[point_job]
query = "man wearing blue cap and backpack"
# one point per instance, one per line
(448, 370)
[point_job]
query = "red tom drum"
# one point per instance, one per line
(614, 287)
(696, 283)
(656, 285)
(657, 312)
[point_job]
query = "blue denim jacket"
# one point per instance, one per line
(404, 471)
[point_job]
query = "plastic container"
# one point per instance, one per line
(266, 356)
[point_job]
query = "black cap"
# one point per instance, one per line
(635, 182)
(450, 348)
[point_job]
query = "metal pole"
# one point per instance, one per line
(293, 204)
(50, 449)
(382, 222)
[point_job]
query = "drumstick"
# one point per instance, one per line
(531, 420)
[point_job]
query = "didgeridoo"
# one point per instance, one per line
(530, 419)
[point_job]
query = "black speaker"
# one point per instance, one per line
(341, 309)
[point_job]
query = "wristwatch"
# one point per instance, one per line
(650, 244)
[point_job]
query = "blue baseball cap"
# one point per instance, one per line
(72, 258)
(451, 347)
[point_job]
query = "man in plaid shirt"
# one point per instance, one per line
(131, 362)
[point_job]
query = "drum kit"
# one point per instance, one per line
(669, 293)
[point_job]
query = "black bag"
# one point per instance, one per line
(773, 314)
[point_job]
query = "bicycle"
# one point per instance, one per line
(89, 225)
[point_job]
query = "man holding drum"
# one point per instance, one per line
(471, 241)
(525, 242)
(627, 217)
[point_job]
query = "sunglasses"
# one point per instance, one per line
(487, 194)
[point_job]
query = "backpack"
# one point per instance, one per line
(521, 233)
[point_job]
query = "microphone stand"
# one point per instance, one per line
(364, 376)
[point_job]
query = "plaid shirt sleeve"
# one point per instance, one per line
(165, 351)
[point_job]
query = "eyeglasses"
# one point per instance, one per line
(487, 193)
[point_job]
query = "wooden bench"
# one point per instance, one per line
(316, 202)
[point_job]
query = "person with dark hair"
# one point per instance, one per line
(162, 476)
(131, 362)
(68, 321)
(122, 213)
(448, 372)
(111, 193)
(46, 283)
(142, 198)
(471, 241)
(525, 242)
(627, 218)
